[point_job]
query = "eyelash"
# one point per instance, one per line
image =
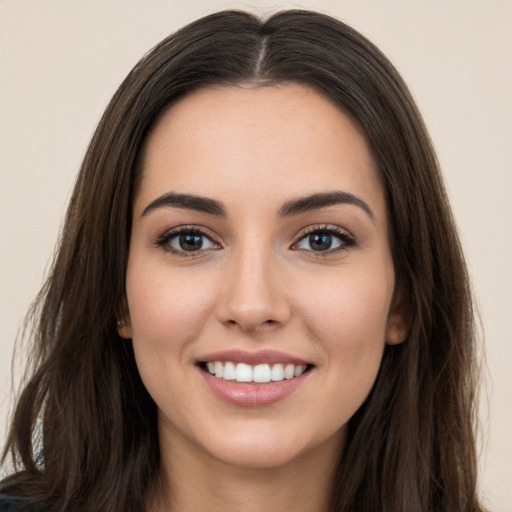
(163, 241)
(347, 241)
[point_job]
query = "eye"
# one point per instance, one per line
(190, 242)
(328, 239)
(185, 240)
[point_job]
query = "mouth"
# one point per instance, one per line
(253, 379)
(262, 373)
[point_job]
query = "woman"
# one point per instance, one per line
(259, 299)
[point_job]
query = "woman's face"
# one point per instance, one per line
(259, 251)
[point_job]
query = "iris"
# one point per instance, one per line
(191, 242)
(320, 241)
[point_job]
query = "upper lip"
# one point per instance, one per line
(253, 358)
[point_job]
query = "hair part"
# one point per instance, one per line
(410, 446)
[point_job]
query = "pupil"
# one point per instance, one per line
(320, 241)
(191, 242)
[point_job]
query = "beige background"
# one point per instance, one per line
(60, 61)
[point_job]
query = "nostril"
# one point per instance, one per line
(250, 323)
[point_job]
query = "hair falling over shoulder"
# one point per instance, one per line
(83, 436)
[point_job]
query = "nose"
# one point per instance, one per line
(252, 295)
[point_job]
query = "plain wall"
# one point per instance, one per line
(60, 62)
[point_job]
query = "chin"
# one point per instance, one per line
(267, 447)
(258, 455)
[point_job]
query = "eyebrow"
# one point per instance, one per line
(188, 202)
(322, 200)
(290, 208)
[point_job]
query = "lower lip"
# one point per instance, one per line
(253, 395)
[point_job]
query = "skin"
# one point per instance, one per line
(258, 285)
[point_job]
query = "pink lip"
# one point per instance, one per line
(252, 395)
(252, 358)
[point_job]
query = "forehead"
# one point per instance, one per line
(273, 141)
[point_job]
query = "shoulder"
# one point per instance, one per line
(7, 505)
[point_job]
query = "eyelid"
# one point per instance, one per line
(162, 241)
(347, 239)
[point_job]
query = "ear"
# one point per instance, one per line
(398, 325)
(124, 325)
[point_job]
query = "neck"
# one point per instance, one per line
(191, 480)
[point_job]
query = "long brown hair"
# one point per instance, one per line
(83, 436)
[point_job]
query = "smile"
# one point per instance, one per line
(259, 373)
(253, 379)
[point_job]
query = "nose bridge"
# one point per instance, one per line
(250, 295)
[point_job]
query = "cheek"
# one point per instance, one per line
(348, 325)
(357, 305)
(166, 314)
(163, 308)
(347, 319)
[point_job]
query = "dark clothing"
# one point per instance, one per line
(8, 506)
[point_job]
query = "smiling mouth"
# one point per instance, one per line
(259, 373)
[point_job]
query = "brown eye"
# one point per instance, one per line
(189, 242)
(320, 241)
(185, 241)
(326, 240)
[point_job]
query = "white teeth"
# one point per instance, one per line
(299, 370)
(277, 372)
(260, 373)
(219, 369)
(289, 371)
(243, 373)
(229, 371)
